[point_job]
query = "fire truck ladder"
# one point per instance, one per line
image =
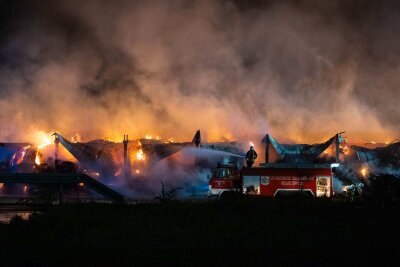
(61, 179)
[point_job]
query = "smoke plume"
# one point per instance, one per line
(301, 70)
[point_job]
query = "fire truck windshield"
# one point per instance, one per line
(222, 173)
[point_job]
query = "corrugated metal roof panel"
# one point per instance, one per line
(379, 158)
(301, 153)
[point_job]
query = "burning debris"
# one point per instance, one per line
(136, 166)
(132, 166)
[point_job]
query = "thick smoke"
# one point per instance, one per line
(184, 174)
(301, 70)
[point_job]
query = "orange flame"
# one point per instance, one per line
(45, 141)
(364, 171)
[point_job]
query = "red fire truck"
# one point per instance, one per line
(273, 180)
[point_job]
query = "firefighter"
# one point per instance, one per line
(251, 156)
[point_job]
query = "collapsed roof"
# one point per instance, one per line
(106, 157)
(98, 155)
(379, 158)
(300, 153)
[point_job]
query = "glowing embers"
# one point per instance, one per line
(158, 139)
(91, 173)
(364, 172)
(345, 149)
(170, 140)
(140, 156)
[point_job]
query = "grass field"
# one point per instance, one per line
(251, 233)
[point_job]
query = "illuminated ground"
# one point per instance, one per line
(205, 234)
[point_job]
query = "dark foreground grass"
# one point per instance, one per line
(251, 233)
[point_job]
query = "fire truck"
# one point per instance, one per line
(273, 180)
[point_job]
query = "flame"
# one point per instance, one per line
(38, 157)
(137, 171)
(25, 188)
(140, 154)
(148, 136)
(45, 141)
(364, 171)
(1, 186)
(81, 184)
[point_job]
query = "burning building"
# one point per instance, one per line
(379, 160)
(138, 164)
(141, 164)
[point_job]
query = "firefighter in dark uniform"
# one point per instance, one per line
(251, 156)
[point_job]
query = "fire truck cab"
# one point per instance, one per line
(273, 180)
(226, 178)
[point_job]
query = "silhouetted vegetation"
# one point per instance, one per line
(227, 233)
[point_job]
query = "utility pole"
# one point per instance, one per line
(266, 141)
(126, 163)
(338, 137)
(56, 161)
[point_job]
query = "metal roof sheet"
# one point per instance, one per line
(300, 153)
